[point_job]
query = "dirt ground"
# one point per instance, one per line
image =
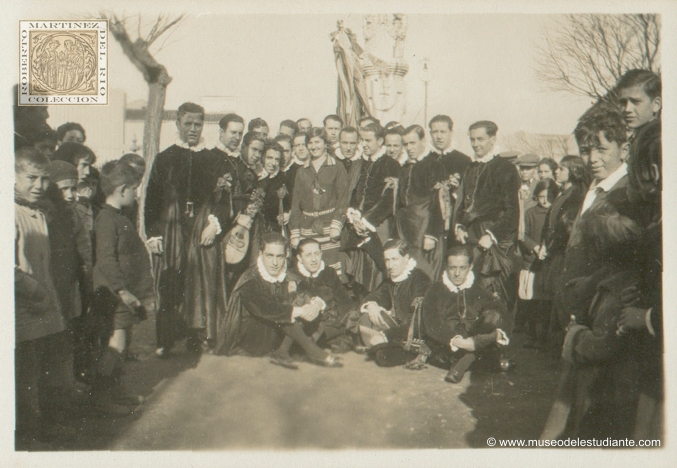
(213, 402)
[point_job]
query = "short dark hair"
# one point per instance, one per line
(401, 246)
(443, 119)
(579, 175)
(374, 128)
(306, 241)
(189, 108)
(348, 129)
(228, 118)
(397, 130)
(602, 118)
(73, 153)
(275, 146)
(291, 124)
(415, 128)
(137, 162)
(333, 117)
(368, 118)
(648, 80)
(273, 238)
(67, 127)
(549, 185)
(257, 122)
(302, 119)
(490, 127)
(284, 137)
(249, 137)
(459, 251)
(317, 132)
(29, 156)
(115, 174)
(549, 162)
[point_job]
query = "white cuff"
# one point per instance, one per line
(323, 305)
(647, 322)
(502, 339)
(335, 223)
(459, 226)
(454, 348)
(153, 239)
(491, 235)
(214, 221)
(431, 238)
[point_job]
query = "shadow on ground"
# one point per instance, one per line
(144, 377)
(513, 405)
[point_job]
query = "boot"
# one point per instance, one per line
(458, 370)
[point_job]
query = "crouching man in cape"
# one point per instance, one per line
(461, 319)
(265, 307)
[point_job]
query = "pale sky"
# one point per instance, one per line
(282, 66)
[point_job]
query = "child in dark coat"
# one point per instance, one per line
(537, 309)
(122, 281)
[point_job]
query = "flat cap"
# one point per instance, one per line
(527, 159)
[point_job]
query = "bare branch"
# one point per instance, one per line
(587, 54)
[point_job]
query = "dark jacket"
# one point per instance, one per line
(488, 200)
(122, 260)
(369, 197)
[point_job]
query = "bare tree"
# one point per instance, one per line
(587, 54)
(154, 73)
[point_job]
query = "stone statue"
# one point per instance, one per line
(383, 65)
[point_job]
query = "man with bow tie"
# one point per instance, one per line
(486, 214)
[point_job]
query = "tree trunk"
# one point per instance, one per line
(151, 136)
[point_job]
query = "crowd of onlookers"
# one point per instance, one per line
(377, 239)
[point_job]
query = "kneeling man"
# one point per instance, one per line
(386, 313)
(461, 319)
(265, 307)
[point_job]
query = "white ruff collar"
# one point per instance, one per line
(411, 264)
(375, 157)
(199, 147)
(356, 156)
(467, 284)
(489, 156)
(222, 147)
(446, 150)
(426, 152)
(266, 276)
(308, 274)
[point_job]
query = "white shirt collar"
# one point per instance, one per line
(222, 147)
(411, 264)
(489, 156)
(199, 147)
(308, 274)
(377, 156)
(467, 284)
(267, 175)
(403, 158)
(611, 180)
(266, 276)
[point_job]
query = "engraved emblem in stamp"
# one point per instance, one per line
(63, 62)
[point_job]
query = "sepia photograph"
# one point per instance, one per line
(330, 234)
